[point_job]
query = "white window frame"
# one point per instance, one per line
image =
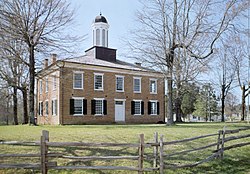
(140, 106)
(78, 72)
(46, 108)
(119, 76)
(138, 78)
(54, 85)
(102, 112)
(46, 84)
(153, 92)
(53, 107)
(98, 74)
(78, 98)
(156, 103)
(40, 86)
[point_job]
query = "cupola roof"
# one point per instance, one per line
(100, 18)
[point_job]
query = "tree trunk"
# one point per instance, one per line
(32, 86)
(222, 102)
(15, 105)
(178, 110)
(25, 106)
(243, 103)
(170, 119)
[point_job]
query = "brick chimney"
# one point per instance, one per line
(53, 58)
(46, 63)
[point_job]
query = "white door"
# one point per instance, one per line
(119, 111)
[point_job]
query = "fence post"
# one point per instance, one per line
(161, 155)
(155, 149)
(222, 141)
(141, 154)
(218, 142)
(44, 151)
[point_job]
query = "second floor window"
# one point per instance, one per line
(47, 84)
(41, 86)
(119, 83)
(153, 86)
(78, 81)
(98, 82)
(54, 83)
(137, 84)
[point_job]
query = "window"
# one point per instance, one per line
(98, 37)
(54, 83)
(54, 107)
(41, 86)
(47, 84)
(153, 86)
(78, 81)
(99, 107)
(153, 107)
(46, 108)
(103, 37)
(137, 107)
(119, 83)
(78, 106)
(40, 109)
(137, 84)
(98, 82)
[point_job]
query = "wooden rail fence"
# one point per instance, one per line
(159, 155)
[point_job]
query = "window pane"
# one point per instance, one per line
(99, 107)
(153, 108)
(98, 37)
(78, 106)
(78, 80)
(119, 83)
(41, 86)
(137, 85)
(137, 107)
(54, 82)
(153, 86)
(98, 82)
(47, 85)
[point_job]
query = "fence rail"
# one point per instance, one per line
(159, 155)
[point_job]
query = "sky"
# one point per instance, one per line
(119, 14)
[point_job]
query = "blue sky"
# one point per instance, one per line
(119, 13)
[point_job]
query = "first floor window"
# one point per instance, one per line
(78, 106)
(153, 108)
(137, 107)
(99, 107)
(54, 107)
(40, 108)
(46, 107)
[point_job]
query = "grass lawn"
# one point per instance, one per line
(235, 160)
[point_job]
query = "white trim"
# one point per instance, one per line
(137, 100)
(112, 69)
(134, 84)
(99, 74)
(99, 98)
(119, 99)
(78, 72)
(58, 97)
(153, 100)
(77, 97)
(122, 83)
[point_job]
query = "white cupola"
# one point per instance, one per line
(100, 31)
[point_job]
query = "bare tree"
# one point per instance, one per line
(41, 25)
(165, 26)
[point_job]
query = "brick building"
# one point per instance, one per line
(97, 88)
